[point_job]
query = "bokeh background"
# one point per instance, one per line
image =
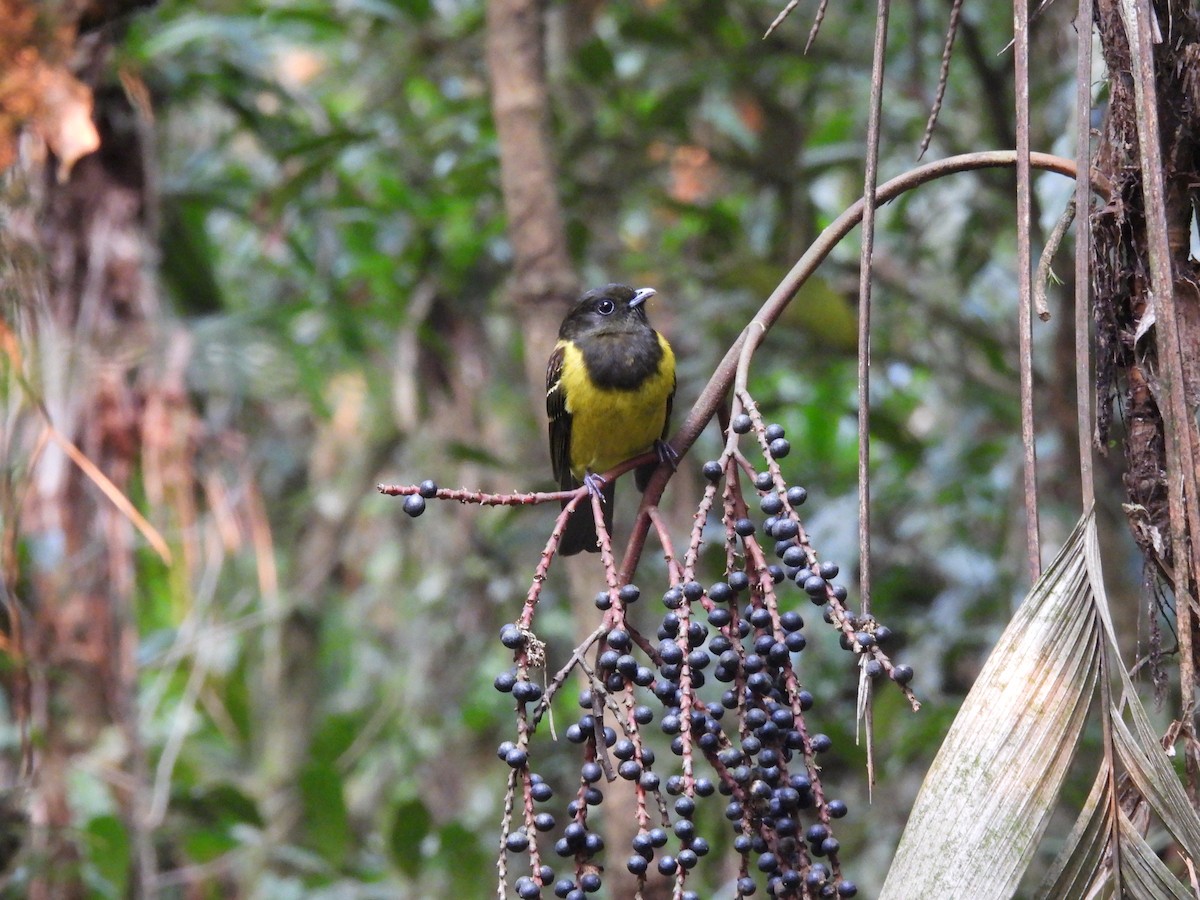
(299, 703)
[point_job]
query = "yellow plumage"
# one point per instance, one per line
(610, 425)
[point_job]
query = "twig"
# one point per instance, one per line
(943, 77)
(783, 14)
(1041, 280)
(870, 181)
(1083, 248)
(1024, 286)
(816, 25)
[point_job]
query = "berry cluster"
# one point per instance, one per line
(721, 680)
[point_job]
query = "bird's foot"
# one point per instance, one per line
(666, 454)
(595, 484)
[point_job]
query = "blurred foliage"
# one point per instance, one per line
(333, 240)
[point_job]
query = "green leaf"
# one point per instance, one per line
(462, 857)
(327, 824)
(109, 851)
(410, 825)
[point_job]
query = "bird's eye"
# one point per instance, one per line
(605, 307)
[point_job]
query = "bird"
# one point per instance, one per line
(610, 383)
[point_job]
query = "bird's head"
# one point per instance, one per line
(609, 309)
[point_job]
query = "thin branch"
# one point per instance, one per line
(1024, 286)
(715, 391)
(778, 20)
(943, 77)
(816, 25)
(1041, 281)
(1083, 248)
(870, 182)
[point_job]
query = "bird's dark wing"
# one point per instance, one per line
(641, 475)
(560, 422)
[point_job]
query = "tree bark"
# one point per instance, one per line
(1139, 330)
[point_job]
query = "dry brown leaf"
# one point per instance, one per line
(38, 90)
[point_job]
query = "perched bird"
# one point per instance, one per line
(609, 387)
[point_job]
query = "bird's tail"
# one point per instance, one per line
(580, 531)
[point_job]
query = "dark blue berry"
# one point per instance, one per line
(427, 489)
(619, 640)
(719, 617)
(504, 682)
(720, 592)
(517, 842)
(712, 471)
(739, 581)
(902, 674)
(821, 742)
(779, 448)
(774, 432)
(741, 423)
(629, 593)
(794, 556)
(786, 529)
(512, 637)
(771, 505)
(414, 505)
(526, 691)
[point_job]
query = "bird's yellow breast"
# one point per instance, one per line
(611, 425)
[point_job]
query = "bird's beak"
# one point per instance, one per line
(640, 296)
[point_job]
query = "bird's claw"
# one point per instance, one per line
(666, 454)
(595, 484)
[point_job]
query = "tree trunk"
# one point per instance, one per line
(1140, 332)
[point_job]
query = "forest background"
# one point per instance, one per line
(244, 672)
